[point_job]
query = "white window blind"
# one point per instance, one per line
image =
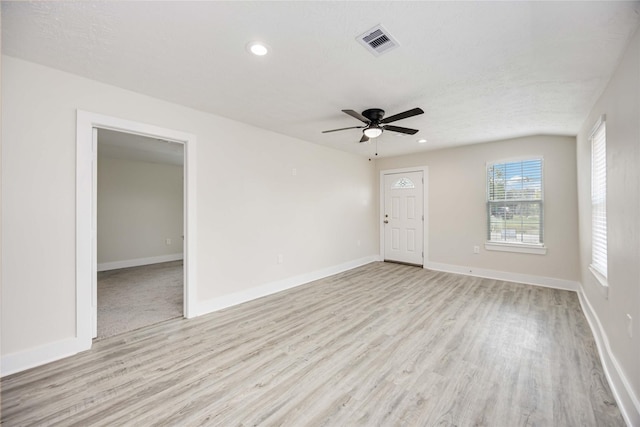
(514, 202)
(599, 199)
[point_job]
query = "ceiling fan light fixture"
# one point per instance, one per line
(373, 132)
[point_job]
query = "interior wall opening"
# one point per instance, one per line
(140, 231)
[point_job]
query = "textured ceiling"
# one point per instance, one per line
(480, 70)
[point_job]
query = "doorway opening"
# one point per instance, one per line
(140, 193)
(88, 125)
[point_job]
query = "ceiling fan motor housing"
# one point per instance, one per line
(373, 114)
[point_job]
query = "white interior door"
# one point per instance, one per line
(403, 217)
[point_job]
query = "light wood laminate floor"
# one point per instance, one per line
(383, 344)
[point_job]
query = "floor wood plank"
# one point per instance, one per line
(383, 344)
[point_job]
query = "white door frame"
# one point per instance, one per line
(86, 180)
(425, 204)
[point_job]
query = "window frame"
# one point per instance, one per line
(518, 247)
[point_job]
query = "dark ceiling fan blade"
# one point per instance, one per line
(400, 129)
(356, 115)
(404, 115)
(336, 130)
(364, 138)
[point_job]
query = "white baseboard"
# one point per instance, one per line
(628, 402)
(548, 282)
(225, 301)
(26, 359)
(138, 262)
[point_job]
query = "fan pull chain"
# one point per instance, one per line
(376, 155)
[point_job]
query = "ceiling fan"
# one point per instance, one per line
(376, 123)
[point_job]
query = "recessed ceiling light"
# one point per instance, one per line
(258, 49)
(422, 141)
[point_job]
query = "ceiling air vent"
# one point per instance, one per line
(377, 40)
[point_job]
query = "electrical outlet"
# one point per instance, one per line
(280, 259)
(476, 249)
(629, 325)
(167, 241)
(358, 243)
(294, 172)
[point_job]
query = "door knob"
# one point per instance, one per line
(386, 221)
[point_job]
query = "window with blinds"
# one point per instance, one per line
(514, 202)
(599, 199)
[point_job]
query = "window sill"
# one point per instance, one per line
(602, 281)
(515, 247)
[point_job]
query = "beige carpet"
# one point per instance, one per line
(130, 298)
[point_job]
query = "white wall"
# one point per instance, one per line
(620, 102)
(140, 205)
(457, 216)
(250, 206)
